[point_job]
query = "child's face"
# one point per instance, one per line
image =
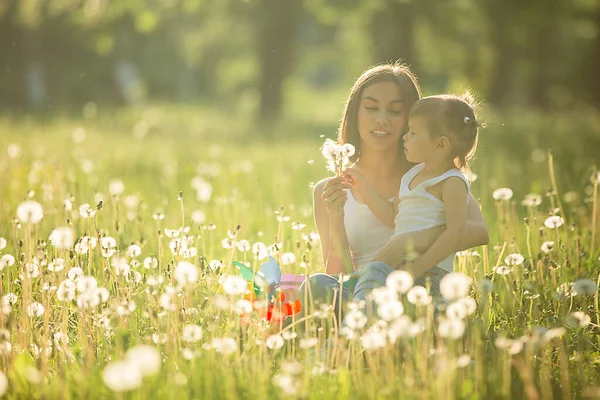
(419, 147)
(381, 116)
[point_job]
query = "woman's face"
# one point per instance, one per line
(381, 116)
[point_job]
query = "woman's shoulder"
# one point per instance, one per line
(318, 188)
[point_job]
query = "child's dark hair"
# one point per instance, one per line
(453, 116)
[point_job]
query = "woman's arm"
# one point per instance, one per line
(394, 252)
(329, 219)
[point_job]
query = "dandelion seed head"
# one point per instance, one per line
(400, 281)
(2, 243)
(145, 358)
(134, 251)
(7, 260)
(454, 286)
(86, 283)
(186, 273)
(502, 194)
(243, 307)
(35, 309)
(373, 340)
(224, 345)
(532, 200)
(451, 328)
(554, 222)
(192, 333)
(578, 319)
(419, 296)
(121, 376)
(308, 342)
(234, 285)
(86, 211)
(382, 295)
(514, 259)
(547, 246)
(390, 311)
(116, 187)
(288, 258)
(502, 270)
(275, 342)
(150, 262)
(30, 212)
(355, 319)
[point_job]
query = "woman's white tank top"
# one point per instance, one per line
(365, 232)
(418, 209)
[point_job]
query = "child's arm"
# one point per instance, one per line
(454, 196)
(379, 206)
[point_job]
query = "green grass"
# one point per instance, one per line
(505, 351)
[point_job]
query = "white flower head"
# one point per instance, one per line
(373, 340)
(275, 342)
(419, 296)
(86, 211)
(192, 333)
(514, 259)
(224, 345)
(451, 328)
(30, 212)
(355, 319)
(121, 376)
(2, 243)
(234, 285)
(400, 281)
(337, 155)
(454, 286)
(554, 222)
(578, 319)
(532, 200)
(390, 310)
(35, 309)
(7, 260)
(145, 358)
(502, 194)
(62, 238)
(116, 187)
(547, 246)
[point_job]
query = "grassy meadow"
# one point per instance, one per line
(137, 297)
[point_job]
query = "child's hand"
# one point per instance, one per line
(359, 183)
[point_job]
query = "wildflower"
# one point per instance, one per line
(289, 335)
(463, 361)
(121, 376)
(192, 333)
(288, 258)
(554, 333)
(548, 246)
(186, 273)
(259, 249)
(382, 295)
(56, 265)
(234, 285)
(204, 191)
(198, 217)
(159, 338)
(373, 340)
(275, 342)
(84, 244)
(86, 211)
(134, 251)
(289, 385)
(215, 264)
(419, 296)
(308, 342)
(225, 345)
(532, 200)
(121, 266)
(502, 194)
(145, 358)
(578, 319)
(400, 281)
(9, 298)
(62, 238)
(355, 319)
(116, 187)
(390, 311)
(554, 222)
(35, 309)
(514, 259)
(585, 287)
(14, 150)
(74, 273)
(337, 155)
(451, 328)
(297, 226)
(243, 245)
(6, 260)
(86, 283)
(30, 212)
(89, 300)
(565, 290)
(502, 270)
(243, 307)
(454, 286)
(2, 243)
(66, 291)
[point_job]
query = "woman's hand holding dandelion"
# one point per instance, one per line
(334, 192)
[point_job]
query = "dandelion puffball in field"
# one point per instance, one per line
(145, 358)
(2, 243)
(454, 286)
(419, 296)
(514, 259)
(116, 187)
(86, 211)
(35, 309)
(532, 200)
(62, 238)
(451, 328)
(6, 260)
(554, 222)
(585, 287)
(224, 345)
(198, 217)
(355, 320)
(400, 281)
(502, 194)
(192, 333)
(547, 247)
(121, 376)
(275, 342)
(30, 212)
(14, 150)
(390, 310)
(373, 340)
(234, 285)
(578, 319)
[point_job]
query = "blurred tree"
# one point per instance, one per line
(392, 32)
(277, 27)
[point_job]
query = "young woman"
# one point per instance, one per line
(355, 213)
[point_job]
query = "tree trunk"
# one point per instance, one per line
(276, 49)
(500, 16)
(392, 29)
(595, 66)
